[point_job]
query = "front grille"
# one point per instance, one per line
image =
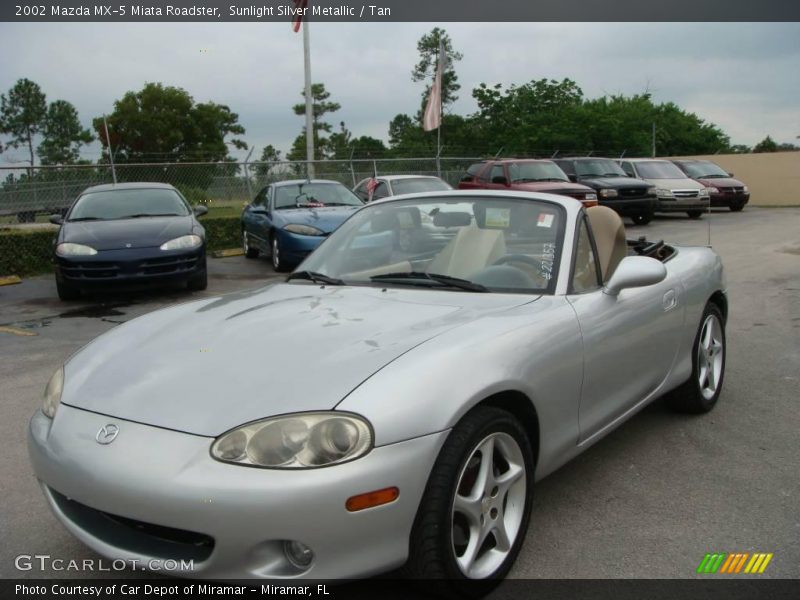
(90, 270)
(632, 192)
(685, 193)
(170, 264)
(732, 190)
(167, 265)
(138, 537)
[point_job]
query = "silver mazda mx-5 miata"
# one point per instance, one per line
(388, 404)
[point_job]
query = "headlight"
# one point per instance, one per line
(664, 193)
(712, 190)
(299, 441)
(703, 192)
(609, 193)
(590, 197)
(185, 242)
(69, 249)
(651, 191)
(745, 189)
(52, 393)
(302, 229)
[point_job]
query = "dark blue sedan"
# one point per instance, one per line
(289, 219)
(129, 233)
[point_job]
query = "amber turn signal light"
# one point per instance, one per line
(372, 499)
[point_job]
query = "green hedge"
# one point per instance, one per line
(25, 251)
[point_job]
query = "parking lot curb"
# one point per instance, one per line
(10, 280)
(227, 253)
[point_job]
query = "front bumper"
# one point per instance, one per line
(631, 206)
(682, 204)
(729, 199)
(238, 516)
(130, 266)
(295, 247)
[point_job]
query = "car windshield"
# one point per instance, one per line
(601, 167)
(659, 169)
(299, 195)
(535, 171)
(453, 243)
(127, 204)
(417, 185)
(705, 170)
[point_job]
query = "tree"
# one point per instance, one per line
(766, 145)
(428, 47)
(164, 123)
(269, 156)
(320, 107)
(63, 135)
(22, 114)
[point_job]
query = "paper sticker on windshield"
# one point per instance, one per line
(545, 220)
(498, 217)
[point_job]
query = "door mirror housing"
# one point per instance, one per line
(200, 210)
(573, 178)
(730, 174)
(56, 219)
(633, 272)
(257, 209)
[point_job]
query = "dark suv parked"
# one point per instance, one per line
(630, 197)
(723, 189)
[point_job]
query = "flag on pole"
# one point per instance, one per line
(433, 110)
(297, 20)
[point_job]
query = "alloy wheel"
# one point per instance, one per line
(710, 351)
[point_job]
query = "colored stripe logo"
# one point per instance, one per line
(735, 563)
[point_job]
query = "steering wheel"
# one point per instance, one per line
(523, 258)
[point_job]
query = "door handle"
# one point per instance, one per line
(669, 301)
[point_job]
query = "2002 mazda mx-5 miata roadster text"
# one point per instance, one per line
(382, 406)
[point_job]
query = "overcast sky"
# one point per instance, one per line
(744, 77)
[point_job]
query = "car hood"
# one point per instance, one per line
(721, 182)
(615, 183)
(676, 184)
(205, 367)
(327, 218)
(144, 232)
(552, 187)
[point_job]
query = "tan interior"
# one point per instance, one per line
(609, 236)
(471, 250)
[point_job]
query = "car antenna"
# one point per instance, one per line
(499, 152)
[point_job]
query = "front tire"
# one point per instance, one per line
(736, 206)
(277, 256)
(699, 394)
(474, 513)
(642, 218)
(694, 214)
(66, 291)
(198, 282)
(249, 251)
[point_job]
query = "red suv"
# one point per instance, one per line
(723, 189)
(525, 175)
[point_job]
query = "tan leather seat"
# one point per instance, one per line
(471, 250)
(609, 236)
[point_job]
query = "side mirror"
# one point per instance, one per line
(57, 219)
(259, 210)
(635, 271)
(730, 174)
(573, 178)
(200, 210)
(500, 180)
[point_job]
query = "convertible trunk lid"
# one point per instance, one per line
(208, 366)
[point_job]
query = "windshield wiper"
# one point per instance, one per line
(140, 215)
(443, 280)
(86, 219)
(315, 277)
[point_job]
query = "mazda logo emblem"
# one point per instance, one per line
(107, 434)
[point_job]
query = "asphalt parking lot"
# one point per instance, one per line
(648, 501)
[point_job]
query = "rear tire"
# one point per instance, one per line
(249, 251)
(66, 291)
(694, 214)
(474, 514)
(699, 393)
(642, 218)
